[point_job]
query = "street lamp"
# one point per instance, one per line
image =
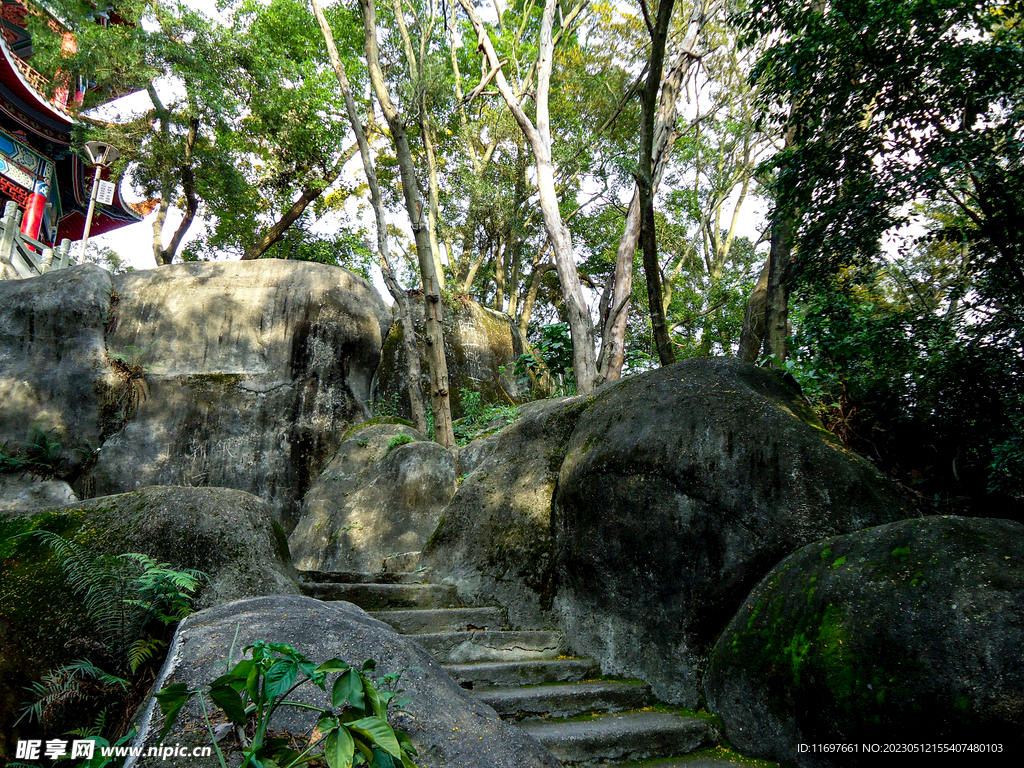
(101, 155)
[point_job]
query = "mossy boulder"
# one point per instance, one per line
(907, 632)
(381, 495)
(228, 534)
(481, 347)
(679, 490)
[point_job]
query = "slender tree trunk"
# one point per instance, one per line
(614, 323)
(412, 354)
(780, 278)
(752, 335)
(531, 296)
(309, 195)
(439, 395)
(164, 256)
(581, 326)
(645, 181)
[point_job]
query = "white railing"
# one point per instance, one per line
(24, 256)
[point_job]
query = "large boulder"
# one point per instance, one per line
(446, 724)
(55, 378)
(381, 495)
(908, 632)
(481, 348)
(230, 535)
(679, 490)
(251, 372)
(495, 541)
(28, 491)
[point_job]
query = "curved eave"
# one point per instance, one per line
(13, 78)
(106, 219)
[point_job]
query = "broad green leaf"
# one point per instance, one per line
(378, 706)
(382, 734)
(333, 665)
(348, 687)
(339, 749)
(280, 677)
(227, 698)
(171, 700)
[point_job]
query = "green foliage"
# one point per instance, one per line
(481, 418)
(552, 347)
(129, 600)
(40, 455)
(353, 731)
(398, 440)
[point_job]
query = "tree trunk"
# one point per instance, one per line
(309, 194)
(645, 182)
(581, 326)
(752, 335)
(439, 396)
(780, 278)
(412, 354)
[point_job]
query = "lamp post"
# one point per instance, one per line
(101, 155)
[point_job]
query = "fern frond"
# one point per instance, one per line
(142, 649)
(64, 685)
(96, 729)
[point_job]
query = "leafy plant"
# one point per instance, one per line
(130, 600)
(353, 731)
(396, 441)
(40, 455)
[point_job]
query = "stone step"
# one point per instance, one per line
(614, 739)
(434, 620)
(464, 647)
(565, 699)
(514, 673)
(356, 577)
(383, 597)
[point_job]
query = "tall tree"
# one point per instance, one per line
(539, 137)
(412, 355)
(418, 217)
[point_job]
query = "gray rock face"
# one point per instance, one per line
(446, 724)
(27, 491)
(381, 495)
(481, 349)
(251, 370)
(680, 489)
(906, 632)
(53, 366)
(495, 542)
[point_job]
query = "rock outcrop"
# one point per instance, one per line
(251, 371)
(446, 724)
(381, 495)
(230, 535)
(679, 490)
(54, 373)
(638, 518)
(26, 491)
(481, 350)
(495, 541)
(910, 631)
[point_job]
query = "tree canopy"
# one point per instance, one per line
(522, 153)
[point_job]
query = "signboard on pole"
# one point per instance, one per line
(106, 193)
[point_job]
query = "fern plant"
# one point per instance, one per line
(130, 599)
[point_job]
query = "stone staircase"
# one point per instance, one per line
(525, 675)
